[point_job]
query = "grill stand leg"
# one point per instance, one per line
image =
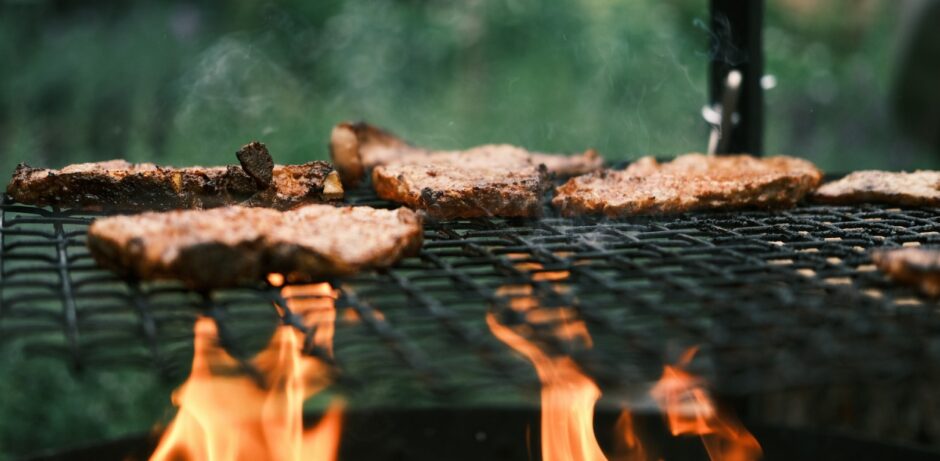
(3, 243)
(737, 44)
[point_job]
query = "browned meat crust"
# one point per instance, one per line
(357, 148)
(919, 267)
(920, 188)
(484, 181)
(257, 162)
(234, 245)
(145, 186)
(688, 183)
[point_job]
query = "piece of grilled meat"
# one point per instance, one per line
(121, 185)
(357, 148)
(257, 163)
(690, 182)
(920, 188)
(914, 266)
(484, 181)
(234, 245)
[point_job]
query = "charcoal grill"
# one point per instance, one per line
(774, 299)
(793, 322)
(778, 302)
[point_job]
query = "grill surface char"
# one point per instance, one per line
(776, 300)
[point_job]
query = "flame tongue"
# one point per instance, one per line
(315, 305)
(568, 398)
(629, 447)
(225, 415)
(691, 411)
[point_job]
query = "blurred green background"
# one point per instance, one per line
(188, 83)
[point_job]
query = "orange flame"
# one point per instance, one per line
(691, 411)
(564, 320)
(315, 304)
(225, 415)
(628, 447)
(350, 316)
(568, 398)
(531, 266)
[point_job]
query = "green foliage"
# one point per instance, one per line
(185, 84)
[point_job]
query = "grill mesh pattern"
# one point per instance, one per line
(774, 300)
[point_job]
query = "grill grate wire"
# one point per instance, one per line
(775, 300)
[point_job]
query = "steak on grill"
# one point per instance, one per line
(919, 267)
(496, 180)
(357, 148)
(920, 188)
(690, 182)
(145, 186)
(234, 245)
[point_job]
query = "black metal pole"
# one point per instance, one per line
(737, 43)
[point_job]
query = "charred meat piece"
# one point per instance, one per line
(484, 181)
(690, 182)
(234, 245)
(920, 188)
(145, 186)
(918, 267)
(357, 148)
(257, 162)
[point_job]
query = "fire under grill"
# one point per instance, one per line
(774, 300)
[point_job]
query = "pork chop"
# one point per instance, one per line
(234, 245)
(144, 186)
(357, 148)
(915, 266)
(495, 180)
(920, 188)
(691, 182)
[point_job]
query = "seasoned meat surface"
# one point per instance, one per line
(257, 162)
(144, 186)
(234, 245)
(920, 188)
(915, 266)
(496, 180)
(357, 148)
(690, 182)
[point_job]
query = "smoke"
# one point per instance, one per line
(557, 78)
(236, 93)
(721, 46)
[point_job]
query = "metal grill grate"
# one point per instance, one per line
(775, 300)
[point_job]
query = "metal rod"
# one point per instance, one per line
(3, 214)
(148, 324)
(737, 44)
(723, 117)
(67, 295)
